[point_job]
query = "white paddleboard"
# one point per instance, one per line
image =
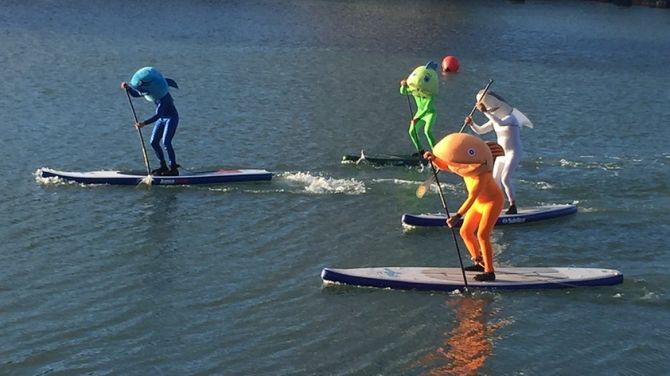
(185, 177)
(448, 279)
(524, 215)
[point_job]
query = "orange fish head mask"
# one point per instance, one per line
(463, 154)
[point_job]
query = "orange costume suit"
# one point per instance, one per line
(471, 158)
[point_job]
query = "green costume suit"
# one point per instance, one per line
(425, 116)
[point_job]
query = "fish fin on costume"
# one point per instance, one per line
(172, 83)
(432, 65)
(522, 119)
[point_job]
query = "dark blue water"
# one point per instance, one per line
(225, 280)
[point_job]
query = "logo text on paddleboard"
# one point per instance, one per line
(390, 273)
(513, 220)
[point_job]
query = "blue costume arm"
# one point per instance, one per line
(152, 119)
(159, 112)
(164, 109)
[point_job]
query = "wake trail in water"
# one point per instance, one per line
(300, 183)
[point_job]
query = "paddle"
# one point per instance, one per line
(148, 179)
(423, 188)
(409, 103)
(486, 89)
(453, 232)
(362, 158)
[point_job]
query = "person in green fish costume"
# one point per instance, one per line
(422, 84)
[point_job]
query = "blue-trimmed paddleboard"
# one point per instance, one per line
(383, 159)
(524, 215)
(449, 279)
(135, 177)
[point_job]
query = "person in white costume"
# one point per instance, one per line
(506, 121)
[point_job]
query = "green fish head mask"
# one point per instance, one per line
(424, 80)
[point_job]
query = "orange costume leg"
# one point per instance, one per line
(489, 215)
(468, 228)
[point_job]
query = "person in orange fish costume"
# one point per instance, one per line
(471, 158)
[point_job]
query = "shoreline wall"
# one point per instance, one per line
(647, 3)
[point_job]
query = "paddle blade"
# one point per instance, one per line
(147, 180)
(362, 158)
(423, 188)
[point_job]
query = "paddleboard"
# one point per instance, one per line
(524, 215)
(383, 159)
(449, 279)
(135, 177)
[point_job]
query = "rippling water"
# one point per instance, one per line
(225, 280)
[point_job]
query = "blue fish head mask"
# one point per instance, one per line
(149, 82)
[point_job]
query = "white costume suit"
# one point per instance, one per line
(508, 131)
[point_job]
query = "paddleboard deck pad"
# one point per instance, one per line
(524, 215)
(383, 159)
(449, 279)
(135, 177)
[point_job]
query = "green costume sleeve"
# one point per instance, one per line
(404, 90)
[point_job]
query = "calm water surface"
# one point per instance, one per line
(225, 280)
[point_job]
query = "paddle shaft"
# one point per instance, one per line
(409, 103)
(453, 232)
(486, 89)
(144, 150)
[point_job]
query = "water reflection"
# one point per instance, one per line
(468, 345)
(161, 216)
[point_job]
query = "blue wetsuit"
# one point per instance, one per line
(166, 119)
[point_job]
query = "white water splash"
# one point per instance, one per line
(542, 185)
(650, 295)
(324, 185)
(567, 163)
(407, 228)
(589, 209)
(54, 180)
(446, 187)
(396, 181)
(226, 189)
(590, 165)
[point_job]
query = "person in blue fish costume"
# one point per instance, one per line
(149, 83)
